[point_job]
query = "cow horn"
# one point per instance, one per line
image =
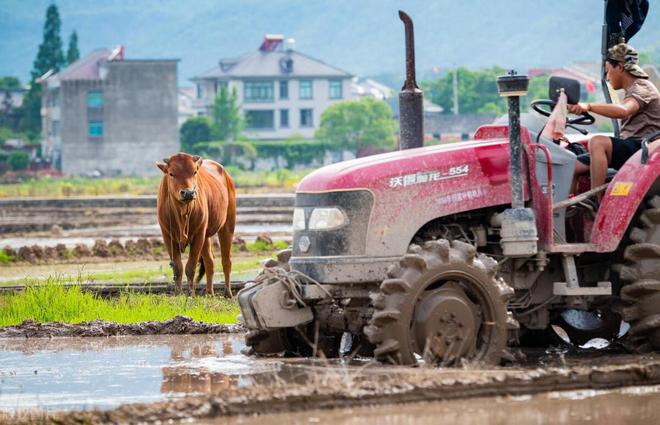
(196, 158)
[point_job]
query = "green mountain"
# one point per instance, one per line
(364, 37)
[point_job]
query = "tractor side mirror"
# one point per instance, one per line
(571, 88)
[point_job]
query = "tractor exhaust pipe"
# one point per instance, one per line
(518, 235)
(411, 111)
(513, 86)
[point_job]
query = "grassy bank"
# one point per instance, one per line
(246, 181)
(54, 302)
(150, 273)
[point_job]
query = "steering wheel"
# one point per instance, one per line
(585, 119)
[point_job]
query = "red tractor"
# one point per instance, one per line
(460, 251)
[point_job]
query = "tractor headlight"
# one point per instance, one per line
(326, 219)
(298, 219)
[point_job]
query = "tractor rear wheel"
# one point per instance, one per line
(442, 303)
(640, 275)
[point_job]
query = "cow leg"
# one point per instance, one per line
(193, 260)
(226, 236)
(175, 255)
(207, 258)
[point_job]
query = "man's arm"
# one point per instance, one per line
(622, 111)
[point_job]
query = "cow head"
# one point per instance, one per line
(181, 171)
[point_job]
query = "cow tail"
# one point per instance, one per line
(202, 271)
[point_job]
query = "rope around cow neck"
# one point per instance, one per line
(188, 214)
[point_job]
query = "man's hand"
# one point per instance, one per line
(579, 108)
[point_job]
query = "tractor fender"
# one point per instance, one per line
(631, 184)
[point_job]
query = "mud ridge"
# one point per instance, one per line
(100, 328)
(391, 385)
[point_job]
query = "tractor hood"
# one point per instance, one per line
(402, 169)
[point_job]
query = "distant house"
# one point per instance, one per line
(282, 92)
(12, 97)
(186, 100)
(106, 115)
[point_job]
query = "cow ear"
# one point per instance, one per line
(197, 159)
(162, 166)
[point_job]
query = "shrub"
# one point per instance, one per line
(18, 160)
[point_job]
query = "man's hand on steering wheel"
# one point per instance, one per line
(584, 118)
(579, 108)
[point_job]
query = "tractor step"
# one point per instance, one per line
(563, 288)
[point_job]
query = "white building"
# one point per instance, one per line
(281, 91)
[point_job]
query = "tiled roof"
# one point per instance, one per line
(86, 68)
(260, 64)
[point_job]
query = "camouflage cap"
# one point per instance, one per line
(628, 58)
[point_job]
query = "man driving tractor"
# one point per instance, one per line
(639, 113)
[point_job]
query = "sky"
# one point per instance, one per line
(364, 37)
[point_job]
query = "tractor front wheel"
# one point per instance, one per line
(442, 303)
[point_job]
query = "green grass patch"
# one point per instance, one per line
(158, 274)
(55, 302)
(55, 187)
(262, 246)
(5, 258)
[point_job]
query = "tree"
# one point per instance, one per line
(10, 83)
(49, 57)
(18, 160)
(227, 119)
(195, 131)
(477, 91)
(358, 124)
(72, 53)
(50, 54)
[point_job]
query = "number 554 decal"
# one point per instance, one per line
(429, 176)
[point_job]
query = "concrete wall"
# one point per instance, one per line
(139, 116)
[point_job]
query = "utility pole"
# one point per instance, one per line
(454, 85)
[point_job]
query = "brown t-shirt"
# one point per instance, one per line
(647, 119)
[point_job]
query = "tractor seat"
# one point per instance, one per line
(586, 159)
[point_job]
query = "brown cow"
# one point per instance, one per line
(196, 200)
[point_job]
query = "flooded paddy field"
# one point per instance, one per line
(205, 377)
(72, 221)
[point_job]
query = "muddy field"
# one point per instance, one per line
(204, 377)
(182, 370)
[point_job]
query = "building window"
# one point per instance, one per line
(54, 98)
(284, 118)
(260, 120)
(306, 118)
(258, 91)
(200, 91)
(284, 89)
(335, 89)
(55, 130)
(305, 89)
(95, 128)
(94, 99)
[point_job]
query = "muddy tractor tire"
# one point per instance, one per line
(640, 275)
(442, 303)
(302, 341)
